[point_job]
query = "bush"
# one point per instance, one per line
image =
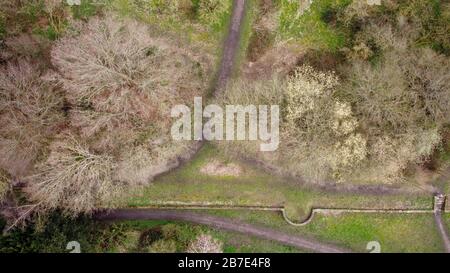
(148, 237)
(320, 126)
(4, 185)
(57, 233)
(205, 243)
(163, 246)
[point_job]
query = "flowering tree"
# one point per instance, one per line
(205, 243)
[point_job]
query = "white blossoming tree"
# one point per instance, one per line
(205, 243)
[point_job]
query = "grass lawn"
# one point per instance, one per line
(394, 232)
(312, 28)
(254, 187)
(447, 221)
(183, 233)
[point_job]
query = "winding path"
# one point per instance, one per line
(230, 50)
(442, 230)
(219, 223)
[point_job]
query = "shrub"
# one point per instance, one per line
(214, 13)
(163, 246)
(58, 231)
(319, 125)
(25, 46)
(4, 184)
(383, 118)
(150, 236)
(205, 243)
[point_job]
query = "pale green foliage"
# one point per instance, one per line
(318, 125)
(208, 16)
(305, 90)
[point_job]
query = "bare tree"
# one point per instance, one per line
(74, 179)
(30, 111)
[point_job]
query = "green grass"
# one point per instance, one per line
(87, 9)
(312, 29)
(2, 25)
(395, 232)
(208, 28)
(433, 17)
(183, 233)
(254, 187)
(447, 221)
(246, 33)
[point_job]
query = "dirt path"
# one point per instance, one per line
(231, 45)
(230, 49)
(442, 230)
(331, 186)
(219, 223)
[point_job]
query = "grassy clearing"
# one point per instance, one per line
(182, 233)
(395, 232)
(255, 187)
(314, 28)
(199, 20)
